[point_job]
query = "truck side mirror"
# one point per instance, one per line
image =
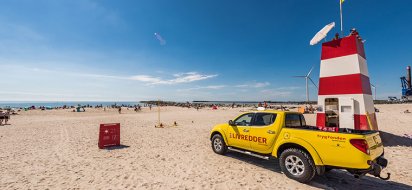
(231, 123)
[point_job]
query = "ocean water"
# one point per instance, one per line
(60, 104)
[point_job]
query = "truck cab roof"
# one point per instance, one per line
(274, 111)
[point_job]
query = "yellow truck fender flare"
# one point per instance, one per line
(219, 131)
(297, 143)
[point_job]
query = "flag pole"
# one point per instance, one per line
(341, 19)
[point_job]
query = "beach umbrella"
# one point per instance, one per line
(322, 34)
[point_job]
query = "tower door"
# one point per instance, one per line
(346, 113)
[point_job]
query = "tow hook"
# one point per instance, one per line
(376, 171)
(385, 178)
(381, 163)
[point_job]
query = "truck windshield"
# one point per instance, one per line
(244, 120)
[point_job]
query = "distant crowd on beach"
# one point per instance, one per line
(215, 105)
(73, 107)
(150, 104)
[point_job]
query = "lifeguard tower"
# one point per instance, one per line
(345, 96)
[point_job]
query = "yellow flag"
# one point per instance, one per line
(341, 1)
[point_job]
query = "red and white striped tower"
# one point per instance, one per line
(344, 75)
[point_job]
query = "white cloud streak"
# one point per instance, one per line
(210, 87)
(178, 78)
(149, 80)
(253, 85)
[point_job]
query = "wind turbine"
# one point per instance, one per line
(374, 87)
(306, 78)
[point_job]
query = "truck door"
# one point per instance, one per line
(237, 135)
(263, 132)
(346, 113)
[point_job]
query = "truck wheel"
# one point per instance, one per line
(297, 165)
(218, 144)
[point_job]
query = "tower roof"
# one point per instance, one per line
(342, 47)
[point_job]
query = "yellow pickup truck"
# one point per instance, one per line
(303, 151)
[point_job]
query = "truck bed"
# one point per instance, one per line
(342, 130)
(335, 148)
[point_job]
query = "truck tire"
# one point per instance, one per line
(218, 144)
(297, 164)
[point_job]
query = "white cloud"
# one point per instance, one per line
(179, 78)
(150, 80)
(145, 78)
(212, 87)
(215, 87)
(262, 84)
(253, 85)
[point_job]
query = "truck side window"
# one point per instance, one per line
(263, 119)
(295, 120)
(244, 120)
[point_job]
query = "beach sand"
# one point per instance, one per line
(57, 149)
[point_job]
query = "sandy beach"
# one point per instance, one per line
(57, 149)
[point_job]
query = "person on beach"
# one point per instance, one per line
(2, 115)
(120, 109)
(6, 117)
(311, 109)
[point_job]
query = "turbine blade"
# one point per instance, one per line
(310, 71)
(313, 82)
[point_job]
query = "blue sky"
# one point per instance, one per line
(203, 50)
